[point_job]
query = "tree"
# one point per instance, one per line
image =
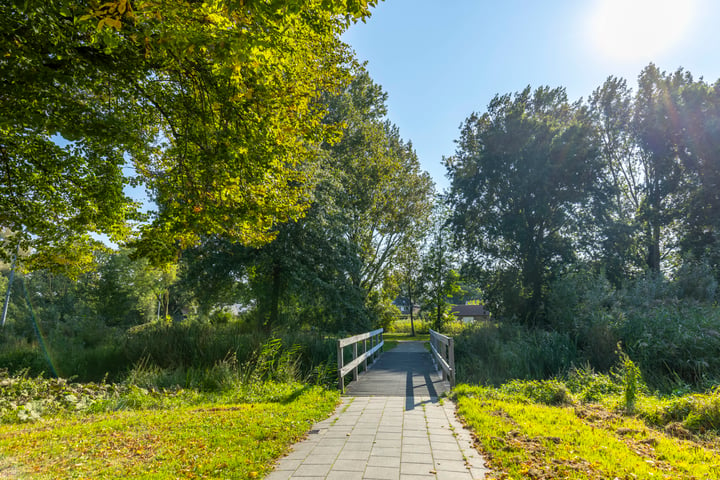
(334, 267)
(620, 234)
(700, 113)
(660, 136)
(215, 106)
(439, 274)
(380, 189)
(409, 277)
(521, 173)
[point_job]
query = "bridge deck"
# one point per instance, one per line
(405, 371)
(389, 426)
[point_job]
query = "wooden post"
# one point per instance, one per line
(451, 359)
(365, 350)
(355, 370)
(341, 381)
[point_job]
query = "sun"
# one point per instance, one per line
(628, 30)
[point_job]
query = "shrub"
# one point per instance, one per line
(631, 379)
(590, 386)
(548, 392)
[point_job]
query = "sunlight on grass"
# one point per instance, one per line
(401, 337)
(528, 440)
(208, 441)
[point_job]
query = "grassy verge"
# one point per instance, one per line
(210, 440)
(554, 436)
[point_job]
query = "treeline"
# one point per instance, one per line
(625, 183)
(331, 271)
(597, 221)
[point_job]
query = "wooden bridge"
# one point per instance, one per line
(390, 424)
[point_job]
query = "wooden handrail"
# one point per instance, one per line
(375, 346)
(443, 349)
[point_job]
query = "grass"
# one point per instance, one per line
(525, 438)
(402, 337)
(210, 440)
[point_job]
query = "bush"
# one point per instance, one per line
(549, 392)
(589, 386)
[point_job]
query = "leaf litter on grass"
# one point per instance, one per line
(523, 440)
(208, 441)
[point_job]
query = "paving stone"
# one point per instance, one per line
(442, 475)
(312, 471)
(354, 454)
(451, 465)
(409, 457)
(350, 465)
(344, 475)
(378, 461)
(382, 473)
(287, 464)
(279, 475)
(417, 468)
(320, 459)
(385, 451)
(407, 436)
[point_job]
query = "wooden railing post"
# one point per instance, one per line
(365, 351)
(451, 360)
(355, 370)
(341, 381)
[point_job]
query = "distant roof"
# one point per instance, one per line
(469, 310)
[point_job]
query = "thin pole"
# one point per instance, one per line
(10, 281)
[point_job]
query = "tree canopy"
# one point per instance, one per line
(214, 106)
(519, 175)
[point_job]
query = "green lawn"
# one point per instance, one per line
(235, 441)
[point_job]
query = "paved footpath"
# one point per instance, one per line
(400, 431)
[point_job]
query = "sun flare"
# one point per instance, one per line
(629, 30)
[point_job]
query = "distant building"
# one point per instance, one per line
(404, 306)
(470, 313)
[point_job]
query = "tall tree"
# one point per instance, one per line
(621, 246)
(331, 267)
(657, 124)
(439, 269)
(519, 176)
(214, 104)
(381, 191)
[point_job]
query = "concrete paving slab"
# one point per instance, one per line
(410, 435)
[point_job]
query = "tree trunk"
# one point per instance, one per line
(653, 259)
(412, 322)
(274, 300)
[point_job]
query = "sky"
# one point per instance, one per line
(441, 61)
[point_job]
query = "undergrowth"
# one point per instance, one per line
(272, 373)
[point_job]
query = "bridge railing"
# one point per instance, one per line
(443, 349)
(376, 343)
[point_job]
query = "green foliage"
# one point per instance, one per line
(520, 173)
(403, 326)
(590, 386)
(535, 440)
(214, 105)
(631, 379)
(697, 413)
(202, 437)
(490, 353)
(548, 392)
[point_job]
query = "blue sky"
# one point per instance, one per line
(441, 61)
